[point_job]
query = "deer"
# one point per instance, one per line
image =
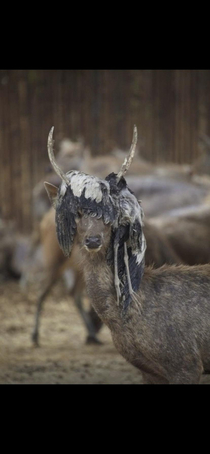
(188, 231)
(159, 318)
(44, 265)
(161, 194)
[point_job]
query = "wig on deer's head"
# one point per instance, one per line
(111, 201)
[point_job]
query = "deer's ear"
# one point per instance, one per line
(52, 192)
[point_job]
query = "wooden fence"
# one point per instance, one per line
(169, 107)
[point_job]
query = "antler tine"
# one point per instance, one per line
(127, 162)
(59, 172)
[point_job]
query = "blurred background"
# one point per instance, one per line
(169, 107)
(93, 112)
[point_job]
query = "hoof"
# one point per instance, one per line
(93, 340)
(34, 339)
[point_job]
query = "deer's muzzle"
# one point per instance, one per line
(93, 242)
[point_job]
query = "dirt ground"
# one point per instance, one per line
(63, 357)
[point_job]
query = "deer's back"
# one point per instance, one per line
(169, 325)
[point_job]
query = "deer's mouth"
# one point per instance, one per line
(93, 243)
(93, 249)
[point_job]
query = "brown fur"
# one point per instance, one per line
(188, 232)
(7, 244)
(159, 250)
(45, 265)
(163, 327)
(161, 195)
(165, 332)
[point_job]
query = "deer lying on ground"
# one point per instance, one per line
(188, 232)
(159, 318)
(161, 195)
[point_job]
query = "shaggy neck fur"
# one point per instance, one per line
(98, 271)
(100, 287)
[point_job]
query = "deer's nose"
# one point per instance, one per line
(93, 242)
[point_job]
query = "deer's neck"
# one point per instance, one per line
(100, 287)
